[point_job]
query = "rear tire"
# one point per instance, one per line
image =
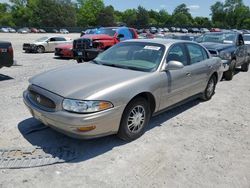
(135, 119)
(245, 67)
(210, 89)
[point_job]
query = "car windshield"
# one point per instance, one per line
(108, 31)
(42, 39)
(140, 56)
(227, 38)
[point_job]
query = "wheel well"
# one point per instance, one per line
(216, 76)
(149, 97)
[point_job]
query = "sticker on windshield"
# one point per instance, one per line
(152, 48)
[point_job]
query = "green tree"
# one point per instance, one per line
(142, 17)
(181, 16)
(130, 17)
(202, 22)
(88, 11)
(231, 14)
(106, 17)
(53, 13)
(6, 17)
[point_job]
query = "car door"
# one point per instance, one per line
(199, 67)
(51, 44)
(125, 32)
(241, 51)
(176, 83)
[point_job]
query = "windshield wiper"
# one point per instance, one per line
(123, 66)
(115, 65)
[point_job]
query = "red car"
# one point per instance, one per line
(215, 30)
(89, 46)
(64, 51)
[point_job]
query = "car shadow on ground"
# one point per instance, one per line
(5, 77)
(63, 58)
(46, 137)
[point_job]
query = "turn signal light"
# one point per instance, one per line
(85, 129)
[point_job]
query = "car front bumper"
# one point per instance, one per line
(105, 122)
(30, 47)
(88, 54)
(225, 65)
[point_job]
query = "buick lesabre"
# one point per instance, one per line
(122, 88)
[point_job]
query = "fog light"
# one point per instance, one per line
(85, 129)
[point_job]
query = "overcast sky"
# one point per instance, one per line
(197, 7)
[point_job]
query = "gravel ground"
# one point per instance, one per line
(199, 144)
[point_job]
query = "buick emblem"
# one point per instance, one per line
(38, 98)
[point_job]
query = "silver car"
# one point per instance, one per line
(122, 88)
(45, 44)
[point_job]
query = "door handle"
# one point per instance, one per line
(188, 74)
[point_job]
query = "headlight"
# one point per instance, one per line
(225, 55)
(80, 106)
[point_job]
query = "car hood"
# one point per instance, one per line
(65, 46)
(37, 43)
(80, 81)
(98, 36)
(216, 46)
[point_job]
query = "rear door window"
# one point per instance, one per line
(196, 53)
(60, 39)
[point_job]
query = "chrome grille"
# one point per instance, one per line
(82, 43)
(41, 100)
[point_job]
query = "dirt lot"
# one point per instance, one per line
(199, 144)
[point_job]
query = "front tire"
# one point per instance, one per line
(40, 49)
(135, 119)
(210, 89)
(245, 67)
(228, 75)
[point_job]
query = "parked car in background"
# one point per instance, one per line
(204, 30)
(189, 37)
(119, 91)
(246, 38)
(153, 30)
(24, 30)
(172, 29)
(6, 54)
(230, 47)
(4, 30)
(55, 31)
(89, 46)
(215, 30)
(64, 51)
(166, 29)
(64, 31)
(177, 29)
(41, 31)
(88, 31)
(34, 30)
(45, 44)
(184, 30)
(193, 30)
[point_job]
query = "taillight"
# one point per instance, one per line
(10, 50)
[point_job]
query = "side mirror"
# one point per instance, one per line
(173, 65)
(120, 36)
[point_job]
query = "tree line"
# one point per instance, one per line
(92, 13)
